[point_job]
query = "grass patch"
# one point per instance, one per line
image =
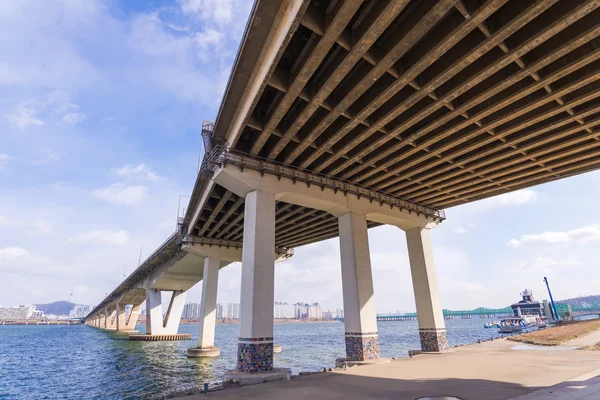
(559, 334)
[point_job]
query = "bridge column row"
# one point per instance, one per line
(255, 342)
(117, 320)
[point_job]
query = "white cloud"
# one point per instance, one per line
(40, 227)
(9, 256)
(48, 156)
(23, 117)
(208, 42)
(36, 226)
(540, 266)
(120, 194)
(74, 118)
(517, 198)
(4, 158)
(59, 101)
(219, 11)
(460, 230)
(472, 286)
(9, 253)
(141, 170)
(586, 234)
(119, 238)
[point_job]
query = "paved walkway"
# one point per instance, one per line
(587, 340)
(487, 371)
(585, 387)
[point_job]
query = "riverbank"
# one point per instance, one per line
(495, 370)
(559, 335)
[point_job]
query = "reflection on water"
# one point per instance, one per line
(76, 362)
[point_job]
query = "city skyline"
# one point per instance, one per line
(101, 145)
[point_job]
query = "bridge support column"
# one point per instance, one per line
(360, 318)
(112, 320)
(432, 329)
(131, 321)
(255, 342)
(155, 324)
(208, 311)
(120, 314)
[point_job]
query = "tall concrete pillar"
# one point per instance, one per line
(123, 321)
(360, 317)
(432, 330)
(131, 320)
(255, 342)
(119, 317)
(155, 323)
(208, 311)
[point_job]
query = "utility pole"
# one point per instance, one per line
(551, 299)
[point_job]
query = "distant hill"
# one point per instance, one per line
(56, 308)
(581, 301)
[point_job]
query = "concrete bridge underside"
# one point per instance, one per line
(344, 115)
(438, 102)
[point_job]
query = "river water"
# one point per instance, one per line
(80, 362)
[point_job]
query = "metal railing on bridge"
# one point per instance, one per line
(284, 252)
(222, 155)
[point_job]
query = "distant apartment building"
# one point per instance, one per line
(284, 310)
(80, 311)
(17, 312)
(233, 310)
(314, 311)
(301, 310)
(220, 311)
(191, 311)
(339, 313)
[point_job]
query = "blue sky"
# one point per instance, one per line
(101, 106)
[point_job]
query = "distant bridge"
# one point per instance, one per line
(592, 308)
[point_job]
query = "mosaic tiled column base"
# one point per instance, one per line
(255, 354)
(433, 340)
(362, 346)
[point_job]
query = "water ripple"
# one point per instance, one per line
(79, 362)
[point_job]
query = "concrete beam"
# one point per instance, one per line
(336, 203)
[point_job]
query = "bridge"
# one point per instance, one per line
(345, 115)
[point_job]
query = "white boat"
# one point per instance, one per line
(524, 323)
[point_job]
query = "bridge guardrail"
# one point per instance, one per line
(222, 155)
(284, 252)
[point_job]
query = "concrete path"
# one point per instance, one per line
(587, 340)
(488, 371)
(585, 387)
